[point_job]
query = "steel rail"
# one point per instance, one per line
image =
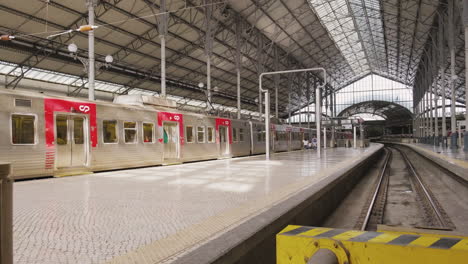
(427, 195)
(377, 189)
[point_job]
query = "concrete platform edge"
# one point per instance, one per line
(236, 245)
(457, 167)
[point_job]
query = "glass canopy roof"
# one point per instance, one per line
(356, 27)
(76, 81)
(370, 88)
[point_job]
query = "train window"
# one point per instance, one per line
(234, 134)
(130, 132)
(259, 136)
(241, 135)
(78, 130)
(61, 127)
(23, 129)
(201, 134)
(210, 135)
(148, 129)
(109, 131)
(282, 136)
(189, 135)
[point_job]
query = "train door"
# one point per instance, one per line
(223, 140)
(71, 139)
(171, 140)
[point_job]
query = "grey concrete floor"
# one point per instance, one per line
(94, 218)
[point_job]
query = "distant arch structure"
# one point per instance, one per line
(385, 109)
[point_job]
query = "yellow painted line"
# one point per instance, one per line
(348, 235)
(462, 245)
(424, 241)
(316, 231)
(289, 228)
(171, 163)
(384, 238)
(67, 174)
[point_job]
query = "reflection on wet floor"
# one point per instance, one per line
(93, 218)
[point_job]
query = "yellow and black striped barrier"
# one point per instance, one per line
(297, 244)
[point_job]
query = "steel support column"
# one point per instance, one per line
(259, 68)
(162, 23)
(422, 117)
(424, 120)
(318, 118)
(238, 65)
(416, 122)
(436, 115)
(442, 79)
(465, 22)
(326, 102)
(424, 132)
(267, 119)
(453, 121)
(416, 112)
(276, 80)
(91, 69)
(308, 102)
(290, 80)
(431, 116)
(300, 97)
(418, 130)
(332, 107)
(208, 48)
(428, 117)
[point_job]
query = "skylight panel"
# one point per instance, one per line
(357, 30)
(74, 81)
(335, 16)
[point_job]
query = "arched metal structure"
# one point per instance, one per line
(387, 110)
(241, 39)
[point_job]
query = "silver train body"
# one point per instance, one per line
(47, 135)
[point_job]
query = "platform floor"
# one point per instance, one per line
(112, 216)
(448, 152)
(456, 157)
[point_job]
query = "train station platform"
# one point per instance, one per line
(188, 213)
(454, 160)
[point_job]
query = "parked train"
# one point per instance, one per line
(50, 135)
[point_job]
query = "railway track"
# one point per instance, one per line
(373, 213)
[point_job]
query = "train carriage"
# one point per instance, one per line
(241, 138)
(296, 136)
(257, 137)
(22, 140)
(280, 138)
(52, 135)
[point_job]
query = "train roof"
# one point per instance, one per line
(146, 107)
